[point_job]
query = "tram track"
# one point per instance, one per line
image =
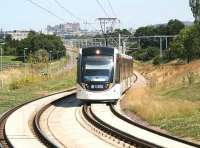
(109, 130)
(126, 119)
(126, 132)
(5, 139)
(4, 142)
(37, 128)
(103, 126)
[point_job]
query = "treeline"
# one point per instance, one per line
(185, 46)
(173, 27)
(35, 44)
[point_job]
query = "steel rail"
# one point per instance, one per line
(36, 123)
(122, 117)
(4, 141)
(127, 138)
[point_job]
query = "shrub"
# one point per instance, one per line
(146, 54)
(157, 61)
(20, 83)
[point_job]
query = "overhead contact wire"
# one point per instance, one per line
(45, 9)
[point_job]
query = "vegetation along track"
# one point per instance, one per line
(4, 141)
(91, 117)
(124, 118)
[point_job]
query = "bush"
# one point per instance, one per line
(20, 83)
(186, 45)
(146, 54)
(158, 60)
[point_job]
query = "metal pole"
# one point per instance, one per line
(1, 66)
(161, 52)
(124, 47)
(50, 63)
(25, 63)
(1, 59)
(166, 39)
(119, 40)
(85, 43)
(139, 43)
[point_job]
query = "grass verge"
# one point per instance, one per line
(172, 104)
(10, 98)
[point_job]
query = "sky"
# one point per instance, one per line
(22, 15)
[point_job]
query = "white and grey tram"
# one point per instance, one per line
(103, 74)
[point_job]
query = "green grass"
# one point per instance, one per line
(190, 92)
(10, 59)
(183, 125)
(11, 98)
(174, 106)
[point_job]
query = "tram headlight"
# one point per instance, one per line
(84, 85)
(97, 51)
(109, 85)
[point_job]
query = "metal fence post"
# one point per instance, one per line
(161, 48)
(1, 66)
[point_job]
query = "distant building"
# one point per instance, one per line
(63, 28)
(69, 30)
(17, 34)
(2, 35)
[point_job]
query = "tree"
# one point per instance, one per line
(42, 56)
(195, 6)
(36, 41)
(174, 27)
(187, 44)
(146, 54)
(146, 31)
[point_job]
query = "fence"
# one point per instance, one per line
(12, 69)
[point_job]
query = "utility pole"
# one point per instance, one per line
(25, 62)
(1, 56)
(1, 66)
(161, 46)
(139, 43)
(50, 63)
(166, 39)
(107, 26)
(1, 59)
(119, 41)
(124, 47)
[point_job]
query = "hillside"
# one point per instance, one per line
(171, 101)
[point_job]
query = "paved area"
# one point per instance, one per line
(18, 128)
(64, 126)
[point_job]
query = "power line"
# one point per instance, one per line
(73, 15)
(66, 10)
(45, 9)
(101, 6)
(111, 7)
